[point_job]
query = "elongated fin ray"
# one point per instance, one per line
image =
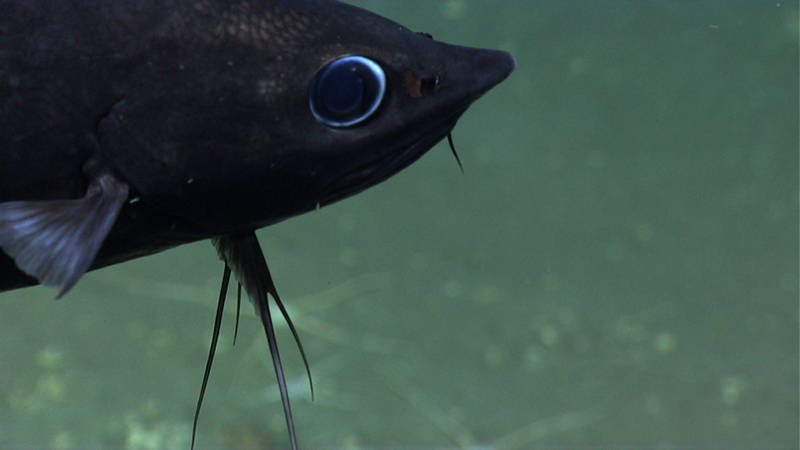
(223, 293)
(56, 241)
(243, 254)
(279, 302)
(266, 320)
(238, 309)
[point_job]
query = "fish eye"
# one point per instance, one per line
(347, 91)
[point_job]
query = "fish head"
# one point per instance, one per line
(380, 96)
(269, 109)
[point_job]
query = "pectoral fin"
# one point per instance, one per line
(56, 241)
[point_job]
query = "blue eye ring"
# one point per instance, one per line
(347, 91)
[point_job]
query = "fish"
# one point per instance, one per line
(129, 127)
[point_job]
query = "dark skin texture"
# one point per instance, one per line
(201, 107)
(161, 122)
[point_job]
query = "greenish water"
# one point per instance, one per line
(617, 266)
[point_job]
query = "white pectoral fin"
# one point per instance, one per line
(56, 241)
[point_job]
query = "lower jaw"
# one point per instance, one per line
(378, 170)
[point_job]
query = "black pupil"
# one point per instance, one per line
(342, 90)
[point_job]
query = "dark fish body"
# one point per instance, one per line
(131, 126)
(201, 107)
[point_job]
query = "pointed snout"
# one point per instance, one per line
(491, 67)
(470, 72)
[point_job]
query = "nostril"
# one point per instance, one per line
(420, 87)
(428, 85)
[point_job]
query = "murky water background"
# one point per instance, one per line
(617, 266)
